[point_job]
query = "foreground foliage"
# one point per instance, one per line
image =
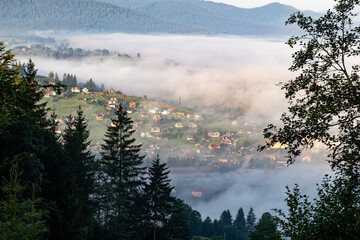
(53, 188)
(324, 108)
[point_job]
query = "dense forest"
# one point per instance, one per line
(179, 16)
(84, 15)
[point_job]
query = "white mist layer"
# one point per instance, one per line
(264, 190)
(232, 72)
(224, 71)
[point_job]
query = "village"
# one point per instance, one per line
(191, 139)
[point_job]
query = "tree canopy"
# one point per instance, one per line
(324, 108)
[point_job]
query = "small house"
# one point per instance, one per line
(75, 90)
(99, 117)
(179, 125)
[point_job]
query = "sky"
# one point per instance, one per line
(315, 5)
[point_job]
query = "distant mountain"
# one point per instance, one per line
(218, 17)
(86, 15)
(142, 16)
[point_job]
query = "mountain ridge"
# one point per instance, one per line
(146, 16)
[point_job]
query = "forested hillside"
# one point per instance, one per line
(222, 18)
(175, 16)
(86, 15)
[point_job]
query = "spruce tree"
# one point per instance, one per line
(226, 218)
(158, 192)
(79, 169)
(266, 229)
(53, 181)
(195, 223)
(22, 120)
(19, 218)
(207, 229)
(177, 227)
(56, 79)
(250, 220)
(240, 223)
(122, 178)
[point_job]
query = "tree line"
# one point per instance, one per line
(240, 228)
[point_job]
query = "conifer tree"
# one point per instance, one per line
(79, 169)
(158, 192)
(122, 178)
(53, 181)
(250, 220)
(207, 228)
(178, 227)
(195, 223)
(266, 229)
(22, 120)
(240, 224)
(56, 79)
(19, 218)
(226, 218)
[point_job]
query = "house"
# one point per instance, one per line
(112, 102)
(58, 131)
(229, 134)
(155, 129)
(154, 110)
(226, 140)
(156, 118)
(129, 110)
(132, 105)
(99, 117)
(47, 94)
(190, 139)
(75, 90)
(154, 146)
(197, 117)
(223, 160)
(278, 145)
(52, 93)
(85, 90)
(306, 159)
(214, 145)
(179, 125)
(196, 193)
(214, 134)
(60, 121)
(165, 112)
(192, 125)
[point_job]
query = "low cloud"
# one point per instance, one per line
(233, 72)
(228, 72)
(263, 190)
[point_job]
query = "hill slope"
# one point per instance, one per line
(84, 15)
(141, 16)
(217, 17)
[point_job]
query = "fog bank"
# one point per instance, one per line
(263, 190)
(227, 71)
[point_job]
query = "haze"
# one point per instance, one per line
(223, 71)
(228, 71)
(319, 5)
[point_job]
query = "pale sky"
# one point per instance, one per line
(315, 5)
